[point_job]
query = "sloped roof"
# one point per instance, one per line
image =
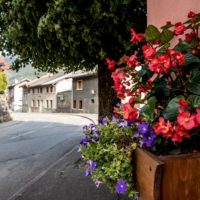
(24, 81)
(50, 79)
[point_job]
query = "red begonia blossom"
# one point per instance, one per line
(148, 51)
(191, 14)
(179, 28)
(129, 113)
(111, 64)
(186, 120)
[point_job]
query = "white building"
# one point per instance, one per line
(15, 92)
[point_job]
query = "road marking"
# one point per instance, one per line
(27, 133)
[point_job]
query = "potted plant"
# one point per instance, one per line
(160, 118)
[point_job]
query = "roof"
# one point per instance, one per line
(50, 79)
(19, 83)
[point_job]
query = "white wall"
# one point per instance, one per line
(18, 94)
(64, 85)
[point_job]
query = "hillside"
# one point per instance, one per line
(26, 73)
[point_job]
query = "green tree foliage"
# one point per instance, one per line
(66, 34)
(3, 82)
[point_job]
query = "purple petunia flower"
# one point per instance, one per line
(144, 128)
(145, 135)
(114, 119)
(121, 124)
(104, 121)
(150, 140)
(87, 172)
(121, 186)
(85, 140)
(93, 165)
(97, 183)
(119, 104)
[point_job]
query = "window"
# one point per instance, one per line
(38, 103)
(51, 103)
(80, 104)
(47, 89)
(51, 89)
(92, 101)
(47, 104)
(33, 90)
(79, 85)
(40, 90)
(33, 103)
(74, 104)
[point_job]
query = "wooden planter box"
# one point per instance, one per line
(167, 177)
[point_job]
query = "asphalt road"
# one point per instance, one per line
(31, 144)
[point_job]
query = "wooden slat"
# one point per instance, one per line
(148, 175)
(181, 177)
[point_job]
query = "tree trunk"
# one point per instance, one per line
(107, 95)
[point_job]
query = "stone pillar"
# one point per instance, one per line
(4, 110)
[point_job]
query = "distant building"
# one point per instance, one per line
(72, 92)
(15, 92)
(42, 92)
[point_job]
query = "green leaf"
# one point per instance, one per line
(152, 33)
(166, 35)
(190, 58)
(171, 111)
(194, 101)
(147, 111)
(143, 71)
(193, 84)
(183, 46)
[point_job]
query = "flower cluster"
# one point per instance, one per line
(108, 159)
(163, 85)
(159, 86)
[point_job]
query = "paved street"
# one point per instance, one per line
(31, 144)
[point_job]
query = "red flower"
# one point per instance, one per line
(168, 22)
(131, 101)
(186, 120)
(155, 66)
(165, 60)
(148, 51)
(111, 64)
(158, 127)
(191, 14)
(190, 36)
(183, 103)
(197, 116)
(140, 37)
(179, 28)
(129, 113)
(136, 37)
(132, 60)
(179, 134)
(180, 58)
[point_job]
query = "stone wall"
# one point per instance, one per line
(4, 112)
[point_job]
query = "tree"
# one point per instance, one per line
(70, 35)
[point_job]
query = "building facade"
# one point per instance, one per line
(85, 94)
(42, 93)
(75, 92)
